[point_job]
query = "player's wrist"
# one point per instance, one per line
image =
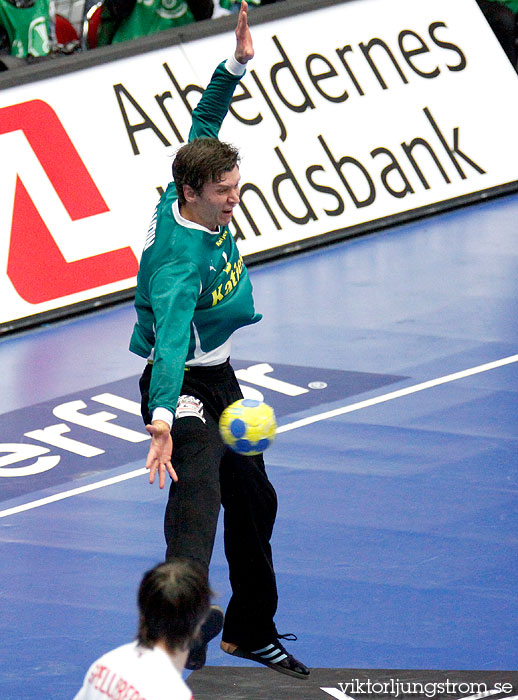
(162, 414)
(161, 426)
(235, 66)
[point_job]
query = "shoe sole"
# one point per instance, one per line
(210, 629)
(213, 624)
(275, 667)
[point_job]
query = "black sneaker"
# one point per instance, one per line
(210, 628)
(276, 657)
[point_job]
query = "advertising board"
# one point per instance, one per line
(349, 116)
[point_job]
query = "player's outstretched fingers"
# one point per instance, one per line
(167, 467)
(159, 455)
(244, 45)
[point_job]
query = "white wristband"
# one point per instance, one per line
(233, 66)
(163, 414)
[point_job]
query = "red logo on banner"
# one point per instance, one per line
(36, 266)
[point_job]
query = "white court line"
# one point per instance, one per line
(400, 392)
(283, 429)
(73, 492)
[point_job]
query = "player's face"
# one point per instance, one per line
(215, 204)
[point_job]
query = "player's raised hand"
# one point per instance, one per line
(244, 46)
(160, 451)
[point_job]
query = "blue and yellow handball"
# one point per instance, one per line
(248, 426)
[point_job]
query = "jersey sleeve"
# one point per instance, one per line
(212, 108)
(174, 291)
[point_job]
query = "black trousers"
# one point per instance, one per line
(504, 23)
(210, 475)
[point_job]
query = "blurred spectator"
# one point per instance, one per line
(74, 11)
(502, 16)
(129, 19)
(31, 31)
(25, 28)
(225, 7)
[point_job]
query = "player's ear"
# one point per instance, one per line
(189, 193)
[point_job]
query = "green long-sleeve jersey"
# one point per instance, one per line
(27, 28)
(193, 290)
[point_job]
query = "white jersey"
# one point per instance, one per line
(132, 672)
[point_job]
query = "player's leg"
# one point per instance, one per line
(194, 501)
(250, 505)
(192, 510)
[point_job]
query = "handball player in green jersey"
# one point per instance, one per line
(193, 292)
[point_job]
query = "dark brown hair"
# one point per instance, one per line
(201, 161)
(173, 599)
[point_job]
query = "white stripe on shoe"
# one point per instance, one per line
(266, 648)
(275, 653)
(270, 656)
(280, 658)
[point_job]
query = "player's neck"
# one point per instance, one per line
(178, 657)
(191, 213)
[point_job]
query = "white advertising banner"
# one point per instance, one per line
(348, 114)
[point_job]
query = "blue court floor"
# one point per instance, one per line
(395, 544)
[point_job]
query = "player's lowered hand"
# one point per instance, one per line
(160, 451)
(244, 46)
